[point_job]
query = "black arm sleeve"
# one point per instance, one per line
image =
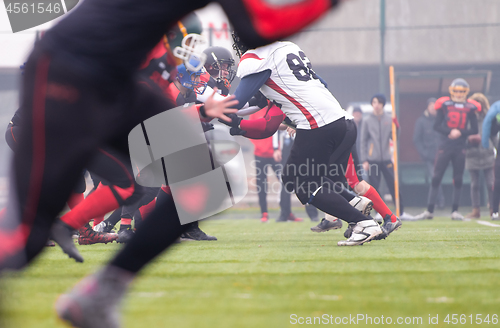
(249, 85)
(473, 125)
(440, 123)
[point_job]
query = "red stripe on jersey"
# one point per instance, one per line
(439, 103)
(250, 55)
(475, 103)
(312, 122)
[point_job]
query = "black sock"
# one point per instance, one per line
(332, 203)
(113, 219)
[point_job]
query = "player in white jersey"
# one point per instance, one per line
(285, 76)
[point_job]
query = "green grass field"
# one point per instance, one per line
(258, 275)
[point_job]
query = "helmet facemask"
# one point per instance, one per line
(459, 89)
(191, 52)
(222, 70)
(191, 79)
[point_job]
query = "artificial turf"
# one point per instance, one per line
(261, 275)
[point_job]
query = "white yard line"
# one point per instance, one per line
(489, 224)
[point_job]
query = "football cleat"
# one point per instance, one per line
(124, 236)
(104, 226)
(348, 231)
(426, 215)
(456, 216)
(195, 233)
(62, 234)
(362, 204)
(265, 217)
(293, 218)
(362, 232)
(93, 302)
(90, 237)
(50, 243)
(407, 217)
(388, 227)
(326, 224)
(495, 216)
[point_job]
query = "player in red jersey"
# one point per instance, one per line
(456, 120)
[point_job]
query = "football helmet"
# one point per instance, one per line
(459, 88)
(190, 24)
(219, 64)
(239, 47)
(191, 79)
(184, 40)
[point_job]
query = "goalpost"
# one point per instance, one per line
(394, 139)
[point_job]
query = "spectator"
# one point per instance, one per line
(264, 158)
(479, 159)
(357, 113)
(425, 140)
(375, 153)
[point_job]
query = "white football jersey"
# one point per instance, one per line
(293, 84)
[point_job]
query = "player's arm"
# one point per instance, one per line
(473, 127)
(249, 86)
(260, 128)
(440, 123)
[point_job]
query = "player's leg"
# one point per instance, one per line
(313, 150)
(261, 164)
(458, 163)
(57, 137)
(93, 307)
(443, 157)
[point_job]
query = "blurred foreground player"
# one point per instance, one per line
(79, 93)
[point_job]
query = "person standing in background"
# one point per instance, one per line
(455, 121)
(357, 113)
(425, 139)
(282, 145)
(375, 149)
(479, 159)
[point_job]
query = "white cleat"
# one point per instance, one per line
(457, 216)
(362, 232)
(495, 216)
(362, 204)
(426, 215)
